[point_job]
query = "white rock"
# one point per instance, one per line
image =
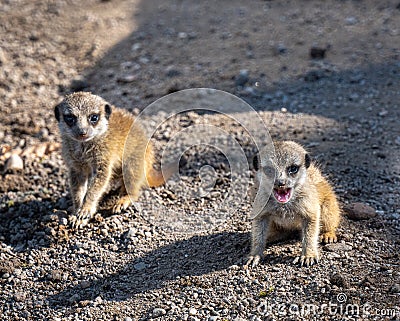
(182, 35)
(192, 311)
(157, 312)
(14, 162)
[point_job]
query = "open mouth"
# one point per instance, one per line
(283, 195)
(83, 138)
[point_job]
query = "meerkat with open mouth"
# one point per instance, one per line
(302, 199)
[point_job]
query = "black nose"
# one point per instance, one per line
(280, 183)
(83, 133)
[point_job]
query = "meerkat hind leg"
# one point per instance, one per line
(329, 237)
(123, 202)
(330, 218)
(126, 198)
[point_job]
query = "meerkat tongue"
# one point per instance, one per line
(283, 195)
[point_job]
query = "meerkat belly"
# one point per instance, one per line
(287, 219)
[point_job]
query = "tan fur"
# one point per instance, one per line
(95, 162)
(312, 209)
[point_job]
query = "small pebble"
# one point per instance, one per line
(350, 21)
(14, 163)
(157, 312)
(192, 311)
(127, 79)
(337, 247)
(63, 221)
(395, 288)
(85, 284)
(242, 78)
(338, 280)
(317, 53)
(139, 266)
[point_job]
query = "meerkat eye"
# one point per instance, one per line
(69, 120)
(94, 118)
(293, 169)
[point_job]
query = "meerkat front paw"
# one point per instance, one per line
(306, 260)
(253, 261)
(329, 237)
(82, 217)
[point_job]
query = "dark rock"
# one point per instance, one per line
(78, 84)
(33, 37)
(338, 280)
(395, 288)
(242, 78)
(280, 50)
(314, 75)
(174, 88)
(172, 72)
(317, 53)
(359, 211)
(55, 275)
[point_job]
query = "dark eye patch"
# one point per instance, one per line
(94, 118)
(293, 169)
(70, 120)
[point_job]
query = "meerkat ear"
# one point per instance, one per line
(107, 109)
(256, 162)
(307, 161)
(57, 112)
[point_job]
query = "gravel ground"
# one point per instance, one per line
(325, 74)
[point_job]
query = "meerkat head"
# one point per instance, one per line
(83, 116)
(287, 166)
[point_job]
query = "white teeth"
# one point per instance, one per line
(283, 198)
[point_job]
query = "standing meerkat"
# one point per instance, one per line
(302, 199)
(95, 136)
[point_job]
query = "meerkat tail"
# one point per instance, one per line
(155, 178)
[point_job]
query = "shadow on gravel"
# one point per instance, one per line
(187, 259)
(30, 224)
